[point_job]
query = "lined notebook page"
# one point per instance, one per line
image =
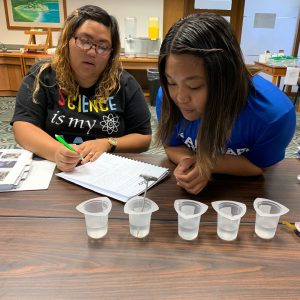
(115, 176)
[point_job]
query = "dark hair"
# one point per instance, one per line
(211, 38)
(61, 61)
(95, 13)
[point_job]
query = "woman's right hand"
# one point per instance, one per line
(65, 159)
(189, 176)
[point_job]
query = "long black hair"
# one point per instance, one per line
(209, 37)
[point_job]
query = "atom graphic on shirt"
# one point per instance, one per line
(110, 123)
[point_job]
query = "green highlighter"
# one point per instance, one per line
(62, 141)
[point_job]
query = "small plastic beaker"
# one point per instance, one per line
(140, 211)
(268, 213)
(229, 217)
(189, 215)
(96, 212)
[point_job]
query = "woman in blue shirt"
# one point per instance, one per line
(214, 116)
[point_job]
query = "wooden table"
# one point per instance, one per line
(138, 63)
(275, 71)
(45, 252)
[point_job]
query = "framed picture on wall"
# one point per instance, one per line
(26, 14)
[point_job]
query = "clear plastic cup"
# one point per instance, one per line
(189, 215)
(96, 212)
(268, 213)
(229, 217)
(140, 212)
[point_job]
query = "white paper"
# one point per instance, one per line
(38, 177)
(291, 76)
(13, 165)
(115, 176)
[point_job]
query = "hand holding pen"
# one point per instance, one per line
(62, 141)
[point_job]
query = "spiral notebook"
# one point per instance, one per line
(115, 176)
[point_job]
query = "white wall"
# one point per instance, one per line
(141, 9)
(255, 41)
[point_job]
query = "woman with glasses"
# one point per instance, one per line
(214, 116)
(82, 95)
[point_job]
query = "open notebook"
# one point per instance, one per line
(115, 176)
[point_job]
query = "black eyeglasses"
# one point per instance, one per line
(86, 44)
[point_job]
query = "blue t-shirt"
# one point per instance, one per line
(261, 132)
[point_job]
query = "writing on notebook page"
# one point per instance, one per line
(115, 176)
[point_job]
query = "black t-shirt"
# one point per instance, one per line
(85, 117)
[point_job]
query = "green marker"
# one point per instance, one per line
(62, 141)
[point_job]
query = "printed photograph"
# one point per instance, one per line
(5, 164)
(11, 155)
(3, 175)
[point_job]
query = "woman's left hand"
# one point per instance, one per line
(92, 149)
(189, 176)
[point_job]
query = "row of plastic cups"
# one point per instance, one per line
(189, 213)
(229, 213)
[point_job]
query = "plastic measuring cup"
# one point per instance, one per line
(140, 211)
(189, 215)
(229, 217)
(96, 212)
(268, 213)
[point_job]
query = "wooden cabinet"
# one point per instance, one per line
(11, 74)
(14, 66)
(28, 59)
(27, 63)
